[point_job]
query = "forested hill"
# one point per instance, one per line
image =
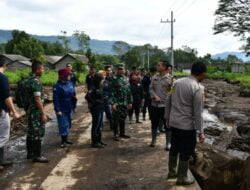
(97, 46)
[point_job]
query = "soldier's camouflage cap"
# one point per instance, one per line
(120, 66)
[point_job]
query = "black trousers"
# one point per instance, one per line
(183, 143)
(157, 115)
(135, 108)
(147, 105)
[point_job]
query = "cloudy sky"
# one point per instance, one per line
(134, 21)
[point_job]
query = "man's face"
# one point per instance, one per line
(202, 77)
(160, 67)
(121, 71)
(108, 72)
(40, 71)
(92, 71)
(69, 67)
(170, 69)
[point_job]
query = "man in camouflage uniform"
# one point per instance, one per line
(121, 101)
(36, 115)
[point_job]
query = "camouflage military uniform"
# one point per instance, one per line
(36, 128)
(121, 98)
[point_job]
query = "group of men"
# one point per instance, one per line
(175, 105)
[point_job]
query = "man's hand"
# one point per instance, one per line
(16, 115)
(167, 124)
(44, 118)
(157, 99)
(59, 113)
(114, 107)
(201, 137)
(130, 106)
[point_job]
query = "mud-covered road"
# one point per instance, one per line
(125, 165)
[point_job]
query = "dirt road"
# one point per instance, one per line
(125, 165)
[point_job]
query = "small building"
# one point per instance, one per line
(8, 58)
(70, 58)
(51, 60)
(240, 67)
(14, 65)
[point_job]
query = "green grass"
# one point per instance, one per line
(49, 78)
(243, 78)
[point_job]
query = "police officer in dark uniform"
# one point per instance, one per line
(137, 93)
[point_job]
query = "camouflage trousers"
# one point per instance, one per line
(119, 117)
(36, 128)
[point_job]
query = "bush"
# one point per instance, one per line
(49, 77)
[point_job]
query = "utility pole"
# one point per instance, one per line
(172, 36)
(148, 58)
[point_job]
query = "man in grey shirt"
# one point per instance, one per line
(159, 89)
(183, 115)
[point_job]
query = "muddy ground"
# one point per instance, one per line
(125, 165)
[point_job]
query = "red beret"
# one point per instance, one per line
(64, 73)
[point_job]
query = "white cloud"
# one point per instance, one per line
(135, 21)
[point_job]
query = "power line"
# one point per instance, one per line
(172, 21)
(187, 8)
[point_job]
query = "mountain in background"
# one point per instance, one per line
(240, 55)
(97, 46)
(104, 46)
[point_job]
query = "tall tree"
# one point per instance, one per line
(83, 40)
(63, 38)
(234, 16)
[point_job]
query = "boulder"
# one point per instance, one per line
(216, 170)
(245, 92)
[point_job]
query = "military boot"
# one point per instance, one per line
(138, 119)
(172, 167)
(183, 176)
(29, 146)
(37, 153)
(4, 162)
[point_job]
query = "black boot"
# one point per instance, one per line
(67, 141)
(29, 146)
(95, 143)
(63, 143)
(153, 143)
(4, 162)
(100, 140)
(37, 152)
(130, 119)
(137, 119)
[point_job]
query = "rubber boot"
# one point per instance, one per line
(138, 119)
(95, 143)
(67, 141)
(100, 140)
(4, 162)
(153, 143)
(37, 152)
(183, 176)
(130, 119)
(172, 167)
(63, 143)
(29, 147)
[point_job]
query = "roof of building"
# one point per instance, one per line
(79, 57)
(28, 63)
(14, 57)
(52, 59)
